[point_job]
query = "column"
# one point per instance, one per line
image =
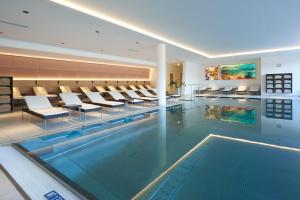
(161, 74)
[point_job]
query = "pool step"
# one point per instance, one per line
(175, 180)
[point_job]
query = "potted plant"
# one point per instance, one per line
(177, 87)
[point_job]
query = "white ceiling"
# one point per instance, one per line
(51, 24)
(212, 26)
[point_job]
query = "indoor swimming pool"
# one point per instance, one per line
(209, 148)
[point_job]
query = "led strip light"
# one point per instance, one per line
(130, 26)
(210, 136)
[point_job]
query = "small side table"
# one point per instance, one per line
(73, 108)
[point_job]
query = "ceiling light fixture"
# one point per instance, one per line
(97, 32)
(125, 24)
(25, 11)
(135, 28)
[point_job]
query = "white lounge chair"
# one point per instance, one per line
(85, 89)
(254, 90)
(122, 87)
(147, 94)
(132, 94)
(97, 99)
(111, 88)
(203, 89)
(214, 89)
(72, 99)
(100, 89)
(141, 87)
(227, 89)
(40, 106)
(132, 87)
(117, 96)
(148, 87)
(241, 89)
(41, 91)
(17, 94)
(67, 89)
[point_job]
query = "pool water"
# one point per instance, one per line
(119, 159)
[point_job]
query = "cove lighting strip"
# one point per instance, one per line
(77, 79)
(124, 24)
(210, 136)
(70, 60)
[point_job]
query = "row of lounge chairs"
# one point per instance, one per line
(112, 91)
(230, 90)
(41, 107)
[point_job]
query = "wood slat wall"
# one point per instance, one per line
(34, 69)
(40, 68)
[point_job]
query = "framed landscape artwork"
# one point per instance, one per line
(238, 71)
(212, 73)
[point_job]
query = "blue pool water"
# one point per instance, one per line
(118, 159)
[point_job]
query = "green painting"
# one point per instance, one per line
(238, 71)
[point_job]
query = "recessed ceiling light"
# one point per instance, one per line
(25, 11)
(121, 22)
(178, 64)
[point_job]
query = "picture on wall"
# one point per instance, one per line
(238, 71)
(212, 73)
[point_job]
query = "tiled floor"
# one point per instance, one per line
(14, 128)
(33, 180)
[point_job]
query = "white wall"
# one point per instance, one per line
(191, 74)
(194, 73)
(289, 64)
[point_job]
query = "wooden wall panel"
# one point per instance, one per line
(38, 68)
(27, 70)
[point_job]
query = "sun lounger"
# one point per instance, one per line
(214, 89)
(132, 94)
(117, 96)
(17, 94)
(100, 89)
(203, 89)
(41, 91)
(111, 88)
(40, 106)
(226, 90)
(254, 90)
(97, 99)
(141, 87)
(241, 89)
(122, 87)
(148, 87)
(72, 99)
(132, 87)
(147, 94)
(85, 89)
(67, 89)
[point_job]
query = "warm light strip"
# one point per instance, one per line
(127, 25)
(135, 28)
(138, 195)
(257, 143)
(70, 60)
(76, 79)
